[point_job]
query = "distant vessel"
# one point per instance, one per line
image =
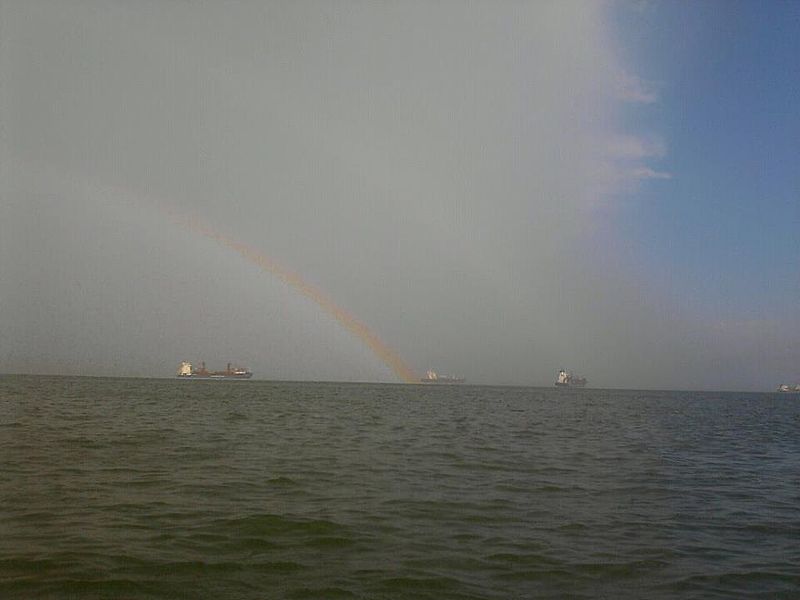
(433, 377)
(565, 379)
(785, 388)
(186, 371)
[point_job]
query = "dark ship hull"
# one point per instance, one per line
(443, 380)
(217, 375)
(576, 384)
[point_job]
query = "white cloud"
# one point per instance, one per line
(625, 162)
(631, 147)
(630, 88)
(648, 173)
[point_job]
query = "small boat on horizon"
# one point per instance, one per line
(785, 388)
(432, 376)
(565, 379)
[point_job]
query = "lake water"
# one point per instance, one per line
(135, 488)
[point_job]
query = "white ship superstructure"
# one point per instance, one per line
(185, 370)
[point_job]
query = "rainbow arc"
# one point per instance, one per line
(389, 357)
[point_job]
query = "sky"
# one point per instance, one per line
(492, 190)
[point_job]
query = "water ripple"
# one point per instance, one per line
(158, 489)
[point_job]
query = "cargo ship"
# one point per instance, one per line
(186, 371)
(786, 388)
(565, 379)
(433, 377)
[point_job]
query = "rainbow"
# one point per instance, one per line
(389, 357)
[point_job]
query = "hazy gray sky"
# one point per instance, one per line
(448, 172)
